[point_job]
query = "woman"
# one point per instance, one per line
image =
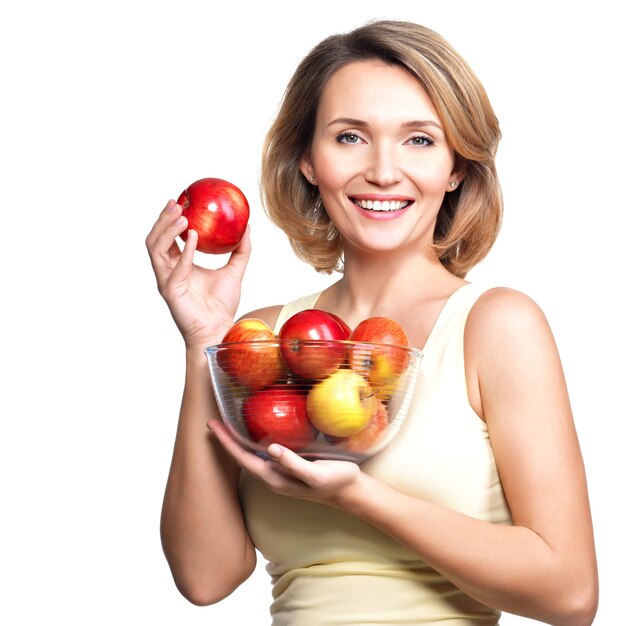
(382, 158)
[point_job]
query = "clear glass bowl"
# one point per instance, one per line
(323, 399)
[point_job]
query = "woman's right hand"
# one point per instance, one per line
(203, 302)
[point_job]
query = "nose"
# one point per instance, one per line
(383, 167)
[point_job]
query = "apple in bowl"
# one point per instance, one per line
(368, 438)
(300, 347)
(381, 365)
(253, 356)
(341, 404)
(326, 407)
(278, 414)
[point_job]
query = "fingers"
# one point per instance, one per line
(287, 474)
(250, 462)
(324, 478)
(291, 462)
(167, 214)
(184, 263)
(240, 256)
(168, 226)
(161, 241)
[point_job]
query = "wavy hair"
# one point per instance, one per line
(470, 216)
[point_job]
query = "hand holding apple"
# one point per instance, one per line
(202, 301)
(218, 211)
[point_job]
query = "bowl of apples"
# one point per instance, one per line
(316, 387)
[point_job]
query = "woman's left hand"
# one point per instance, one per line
(288, 474)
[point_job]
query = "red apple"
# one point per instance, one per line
(252, 357)
(278, 414)
(346, 329)
(218, 211)
(313, 360)
(380, 364)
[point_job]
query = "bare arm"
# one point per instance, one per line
(543, 566)
(202, 528)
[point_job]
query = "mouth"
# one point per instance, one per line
(381, 206)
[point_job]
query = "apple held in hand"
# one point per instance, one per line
(253, 358)
(278, 414)
(218, 211)
(342, 404)
(313, 360)
(380, 364)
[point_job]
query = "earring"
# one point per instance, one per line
(311, 178)
(453, 184)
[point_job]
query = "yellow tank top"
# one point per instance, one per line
(328, 567)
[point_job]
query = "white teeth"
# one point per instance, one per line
(384, 205)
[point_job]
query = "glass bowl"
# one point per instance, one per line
(322, 399)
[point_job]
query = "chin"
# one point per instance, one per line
(386, 245)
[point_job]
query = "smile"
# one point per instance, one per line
(381, 205)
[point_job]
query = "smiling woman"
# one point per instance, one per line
(382, 154)
(457, 115)
(379, 165)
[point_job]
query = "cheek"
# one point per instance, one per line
(431, 176)
(331, 171)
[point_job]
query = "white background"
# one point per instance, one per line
(110, 108)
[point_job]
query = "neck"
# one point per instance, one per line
(380, 284)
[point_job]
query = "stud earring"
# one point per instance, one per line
(453, 184)
(311, 178)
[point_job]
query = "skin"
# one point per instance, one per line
(544, 565)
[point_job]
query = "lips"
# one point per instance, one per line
(381, 205)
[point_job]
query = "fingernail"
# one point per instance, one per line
(172, 206)
(275, 450)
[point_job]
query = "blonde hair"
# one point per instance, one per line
(470, 216)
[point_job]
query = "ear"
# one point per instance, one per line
(460, 169)
(306, 167)
(458, 173)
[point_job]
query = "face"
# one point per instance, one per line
(380, 157)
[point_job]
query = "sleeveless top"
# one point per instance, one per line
(331, 568)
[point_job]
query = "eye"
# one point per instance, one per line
(420, 140)
(348, 137)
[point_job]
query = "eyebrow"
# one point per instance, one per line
(361, 123)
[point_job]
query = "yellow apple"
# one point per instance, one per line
(364, 440)
(342, 404)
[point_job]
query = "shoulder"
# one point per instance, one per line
(509, 347)
(505, 315)
(268, 314)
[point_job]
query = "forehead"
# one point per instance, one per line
(374, 89)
